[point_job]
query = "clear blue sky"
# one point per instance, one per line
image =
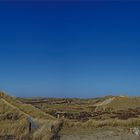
(70, 49)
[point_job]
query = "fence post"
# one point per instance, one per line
(30, 127)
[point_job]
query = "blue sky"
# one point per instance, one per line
(70, 49)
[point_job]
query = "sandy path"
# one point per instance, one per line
(100, 134)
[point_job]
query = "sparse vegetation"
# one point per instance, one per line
(75, 113)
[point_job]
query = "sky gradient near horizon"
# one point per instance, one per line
(70, 49)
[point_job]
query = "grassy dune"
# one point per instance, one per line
(14, 113)
(26, 108)
(13, 120)
(123, 103)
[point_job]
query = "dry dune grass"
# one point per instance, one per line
(9, 111)
(124, 103)
(101, 123)
(13, 120)
(18, 129)
(14, 114)
(26, 108)
(47, 130)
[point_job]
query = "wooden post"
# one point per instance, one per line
(30, 127)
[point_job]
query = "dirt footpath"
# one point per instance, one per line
(97, 134)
